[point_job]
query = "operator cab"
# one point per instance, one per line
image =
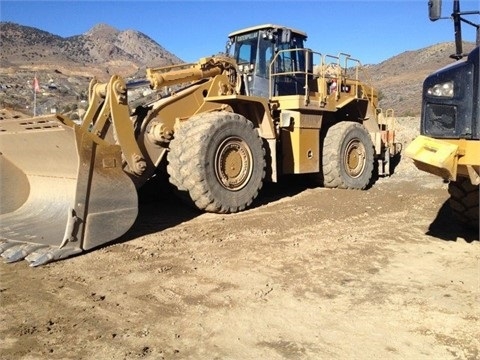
(254, 50)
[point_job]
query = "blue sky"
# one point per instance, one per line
(371, 31)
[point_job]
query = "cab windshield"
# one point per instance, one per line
(260, 52)
(257, 49)
(245, 50)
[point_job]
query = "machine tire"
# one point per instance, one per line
(174, 156)
(219, 160)
(464, 201)
(348, 157)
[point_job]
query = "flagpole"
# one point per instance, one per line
(34, 96)
(34, 102)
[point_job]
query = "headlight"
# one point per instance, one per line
(444, 90)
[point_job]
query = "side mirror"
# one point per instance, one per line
(434, 9)
(228, 46)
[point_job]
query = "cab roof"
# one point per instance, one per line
(266, 26)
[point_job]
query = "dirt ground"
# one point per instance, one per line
(307, 273)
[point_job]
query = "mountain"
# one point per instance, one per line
(400, 78)
(102, 49)
(64, 67)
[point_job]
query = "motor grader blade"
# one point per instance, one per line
(62, 190)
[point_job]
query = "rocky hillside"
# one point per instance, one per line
(102, 48)
(64, 67)
(400, 78)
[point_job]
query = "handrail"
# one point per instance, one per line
(308, 55)
(342, 61)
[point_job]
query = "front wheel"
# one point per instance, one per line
(219, 159)
(464, 201)
(348, 156)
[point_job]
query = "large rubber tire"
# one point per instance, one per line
(464, 201)
(219, 160)
(348, 156)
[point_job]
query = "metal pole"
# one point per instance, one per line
(458, 30)
(34, 96)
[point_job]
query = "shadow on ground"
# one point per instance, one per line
(446, 227)
(160, 208)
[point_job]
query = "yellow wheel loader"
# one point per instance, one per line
(227, 124)
(449, 144)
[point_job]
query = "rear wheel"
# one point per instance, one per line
(348, 156)
(219, 160)
(464, 201)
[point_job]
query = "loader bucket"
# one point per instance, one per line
(62, 190)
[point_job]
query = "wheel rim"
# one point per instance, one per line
(354, 158)
(233, 163)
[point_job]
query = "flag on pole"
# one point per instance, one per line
(36, 86)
